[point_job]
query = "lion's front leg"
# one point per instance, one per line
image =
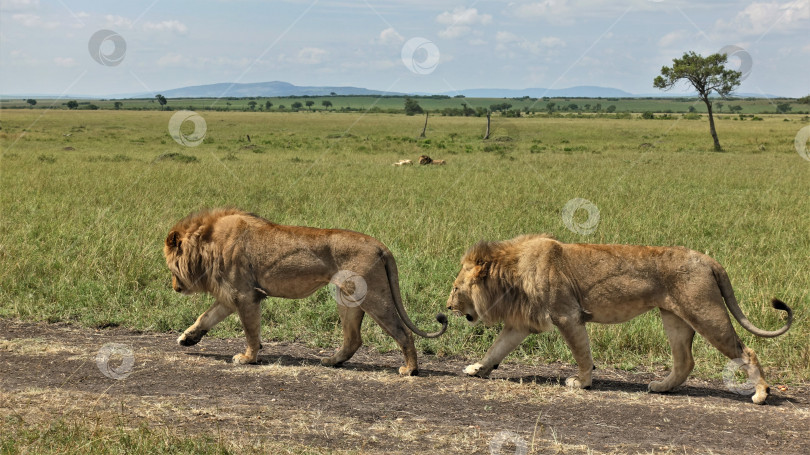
(505, 343)
(212, 316)
(251, 316)
(576, 337)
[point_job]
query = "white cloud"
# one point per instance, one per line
(508, 41)
(774, 17)
(19, 5)
(454, 31)
(168, 26)
(543, 9)
(311, 55)
(117, 21)
(462, 16)
(28, 20)
(672, 38)
(32, 20)
(459, 22)
(172, 59)
(390, 36)
(66, 62)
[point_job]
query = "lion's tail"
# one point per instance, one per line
(731, 302)
(393, 282)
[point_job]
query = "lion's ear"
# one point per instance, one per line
(480, 271)
(173, 240)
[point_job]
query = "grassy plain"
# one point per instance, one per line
(88, 197)
(395, 104)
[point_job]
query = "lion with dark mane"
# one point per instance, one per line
(533, 283)
(241, 258)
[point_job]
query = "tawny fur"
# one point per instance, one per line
(533, 282)
(241, 258)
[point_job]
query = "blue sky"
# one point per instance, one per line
(44, 45)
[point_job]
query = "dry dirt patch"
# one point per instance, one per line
(50, 370)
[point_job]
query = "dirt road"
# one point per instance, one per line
(52, 370)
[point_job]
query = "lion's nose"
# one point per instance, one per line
(449, 307)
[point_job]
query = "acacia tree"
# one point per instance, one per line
(161, 100)
(706, 75)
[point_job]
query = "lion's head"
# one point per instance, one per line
(186, 252)
(489, 287)
(460, 301)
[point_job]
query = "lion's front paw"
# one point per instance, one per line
(477, 369)
(241, 359)
(190, 338)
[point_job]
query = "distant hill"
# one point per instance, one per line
(279, 88)
(264, 89)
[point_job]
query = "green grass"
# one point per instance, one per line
(88, 197)
(433, 104)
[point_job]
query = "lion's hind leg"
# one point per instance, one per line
(384, 313)
(351, 318)
(680, 336)
(716, 327)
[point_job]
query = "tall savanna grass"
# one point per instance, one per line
(88, 198)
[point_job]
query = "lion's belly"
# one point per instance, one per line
(617, 312)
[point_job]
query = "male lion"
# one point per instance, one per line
(533, 282)
(240, 259)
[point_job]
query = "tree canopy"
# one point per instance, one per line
(706, 74)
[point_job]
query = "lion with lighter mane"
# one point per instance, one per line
(533, 283)
(240, 259)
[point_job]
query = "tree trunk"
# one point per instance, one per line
(717, 147)
(486, 136)
(424, 127)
